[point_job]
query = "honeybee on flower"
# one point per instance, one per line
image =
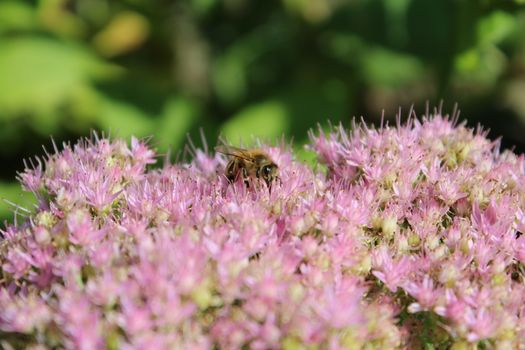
(249, 163)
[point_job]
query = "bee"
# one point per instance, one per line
(249, 163)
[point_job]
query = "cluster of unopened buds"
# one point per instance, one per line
(404, 237)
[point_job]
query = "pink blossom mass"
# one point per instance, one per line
(401, 237)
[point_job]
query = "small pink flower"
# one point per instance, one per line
(141, 153)
(18, 263)
(424, 292)
(82, 229)
(391, 272)
(481, 323)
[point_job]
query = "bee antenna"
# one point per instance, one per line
(221, 141)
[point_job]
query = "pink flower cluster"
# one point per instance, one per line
(404, 237)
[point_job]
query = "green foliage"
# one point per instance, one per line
(241, 68)
(39, 75)
(11, 198)
(16, 15)
(268, 120)
(388, 68)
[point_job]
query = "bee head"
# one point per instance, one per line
(269, 172)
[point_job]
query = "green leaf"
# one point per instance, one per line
(267, 121)
(481, 67)
(496, 27)
(123, 119)
(12, 192)
(39, 75)
(16, 15)
(304, 155)
(229, 77)
(310, 104)
(177, 118)
(468, 61)
(203, 6)
(386, 67)
(246, 59)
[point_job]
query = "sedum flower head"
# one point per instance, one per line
(412, 237)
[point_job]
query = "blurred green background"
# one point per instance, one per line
(240, 67)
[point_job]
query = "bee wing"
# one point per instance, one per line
(233, 151)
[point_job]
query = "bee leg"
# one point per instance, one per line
(234, 177)
(245, 177)
(269, 182)
(231, 176)
(230, 172)
(254, 256)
